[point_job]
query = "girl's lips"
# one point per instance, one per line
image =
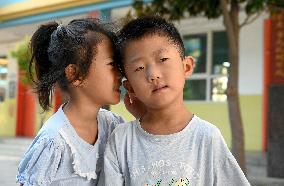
(117, 88)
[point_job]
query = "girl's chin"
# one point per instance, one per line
(115, 100)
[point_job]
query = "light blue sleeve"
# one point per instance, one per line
(110, 121)
(111, 174)
(118, 118)
(40, 163)
(226, 169)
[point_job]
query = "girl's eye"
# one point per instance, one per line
(111, 63)
(164, 59)
(139, 69)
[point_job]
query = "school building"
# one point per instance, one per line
(204, 93)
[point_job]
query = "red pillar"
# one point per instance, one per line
(29, 113)
(57, 99)
(26, 109)
(21, 89)
(266, 81)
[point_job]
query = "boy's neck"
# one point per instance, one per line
(166, 121)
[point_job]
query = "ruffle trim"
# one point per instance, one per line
(21, 179)
(76, 162)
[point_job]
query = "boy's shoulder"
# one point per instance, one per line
(200, 127)
(205, 128)
(125, 127)
(123, 130)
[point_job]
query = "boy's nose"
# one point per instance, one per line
(153, 76)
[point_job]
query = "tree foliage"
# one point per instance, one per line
(177, 9)
(22, 54)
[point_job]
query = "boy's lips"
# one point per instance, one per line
(158, 88)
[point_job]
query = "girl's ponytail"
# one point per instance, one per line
(40, 61)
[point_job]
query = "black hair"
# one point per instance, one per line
(54, 46)
(144, 26)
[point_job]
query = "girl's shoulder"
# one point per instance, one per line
(48, 137)
(41, 158)
(109, 117)
(107, 122)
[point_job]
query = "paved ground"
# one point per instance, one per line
(12, 149)
(256, 170)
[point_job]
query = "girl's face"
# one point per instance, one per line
(103, 80)
(155, 71)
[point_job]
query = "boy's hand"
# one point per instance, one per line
(134, 106)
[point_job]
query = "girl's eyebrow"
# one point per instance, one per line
(109, 57)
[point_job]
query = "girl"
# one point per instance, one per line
(78, 57)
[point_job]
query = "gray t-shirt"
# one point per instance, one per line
(197, 155)
(58, 156)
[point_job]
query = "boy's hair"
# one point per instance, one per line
(54, 46)
(146, 26)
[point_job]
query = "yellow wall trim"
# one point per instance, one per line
(217, 114)
(33, 7)
(3, 61)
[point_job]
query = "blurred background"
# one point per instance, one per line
(206, 33)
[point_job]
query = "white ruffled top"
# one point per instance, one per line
(58, 156)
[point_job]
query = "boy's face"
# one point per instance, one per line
(155, 71)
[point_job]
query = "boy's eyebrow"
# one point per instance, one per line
(155, 53)
(159, 51)
(135, 59)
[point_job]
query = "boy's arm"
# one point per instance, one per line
(111, 174)
(226, 169)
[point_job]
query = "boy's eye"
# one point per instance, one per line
(164, 59)
(139, 69)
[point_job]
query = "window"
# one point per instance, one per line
(3, 78)
(210, 76)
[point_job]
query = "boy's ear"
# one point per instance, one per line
(188, 65)
(128, 86)
(71, 71)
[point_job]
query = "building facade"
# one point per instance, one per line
(205, 91)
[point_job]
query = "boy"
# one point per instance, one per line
(169, 145)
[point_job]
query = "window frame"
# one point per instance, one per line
(207, 75)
